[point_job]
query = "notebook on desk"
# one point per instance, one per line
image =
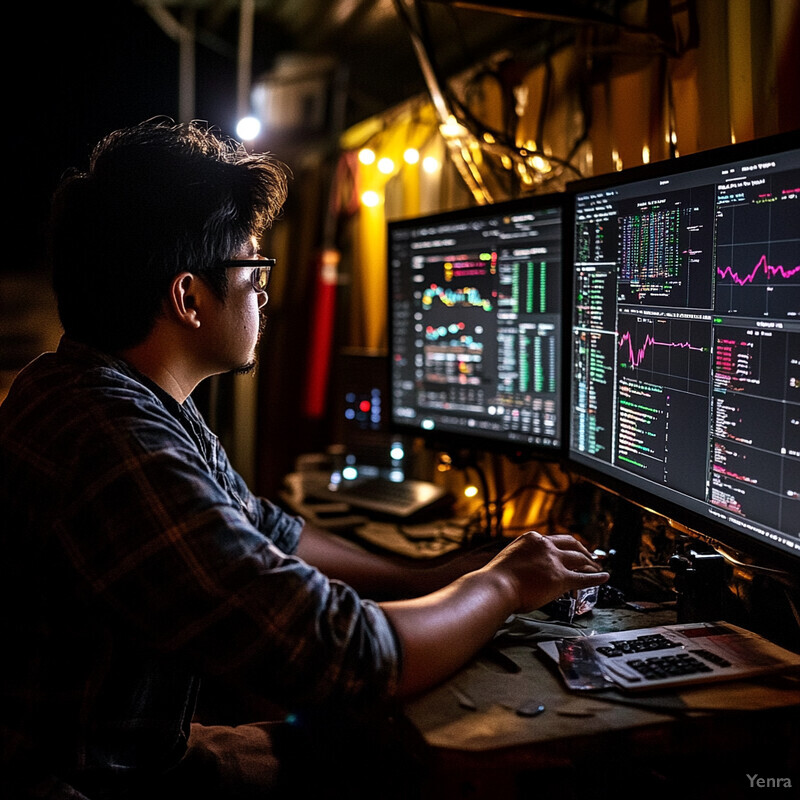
(666, 657)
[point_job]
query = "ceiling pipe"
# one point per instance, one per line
(245, 57)
(457, 143)
(184, 34)
(186, 71)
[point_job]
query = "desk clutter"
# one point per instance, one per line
(479, 708)
(421, 527)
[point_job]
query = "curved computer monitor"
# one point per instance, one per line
(684, 351)
(475, 313)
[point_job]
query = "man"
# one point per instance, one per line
(136, 561)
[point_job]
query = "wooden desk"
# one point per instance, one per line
(700, 742)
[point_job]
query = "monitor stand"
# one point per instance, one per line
(700, 582)
(624, 544)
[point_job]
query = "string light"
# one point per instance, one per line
(473, 146)
(370, 198)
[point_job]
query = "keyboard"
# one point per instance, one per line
(380, 495)
(667, 656)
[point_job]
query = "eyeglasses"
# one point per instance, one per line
(261, 268)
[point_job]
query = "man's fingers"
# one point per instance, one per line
(566, 542)
(586, 579)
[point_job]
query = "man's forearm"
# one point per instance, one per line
(370, 574)
(442, 631)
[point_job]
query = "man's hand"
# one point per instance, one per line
(542, 568)
(441, 631)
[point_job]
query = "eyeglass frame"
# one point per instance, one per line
(260, 266)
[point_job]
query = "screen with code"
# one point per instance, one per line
(476, 324)
(685, 338)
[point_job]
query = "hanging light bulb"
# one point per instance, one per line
(248, 128)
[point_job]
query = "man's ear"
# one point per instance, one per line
(184, 299)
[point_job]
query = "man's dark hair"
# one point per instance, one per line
(158, 199)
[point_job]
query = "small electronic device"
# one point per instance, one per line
(370, 469)
(667, 656)
(394, 498)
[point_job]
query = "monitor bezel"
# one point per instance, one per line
(748, 548)
(468, 441)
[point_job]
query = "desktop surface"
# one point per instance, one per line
(496, 733)
(482, 744)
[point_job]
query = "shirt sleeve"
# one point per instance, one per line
(282, 528)
(171, 552)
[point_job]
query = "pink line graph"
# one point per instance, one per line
(768, 269)
(637, 356)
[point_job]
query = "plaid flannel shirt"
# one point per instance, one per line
(134, 560)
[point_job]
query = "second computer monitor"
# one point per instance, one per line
(685, 343)
(476, 325)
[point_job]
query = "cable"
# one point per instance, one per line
(445, 102)
(487, 504)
